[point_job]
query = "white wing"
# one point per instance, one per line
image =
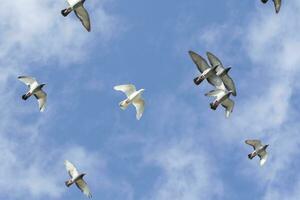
(28, 80)
(263, 157)
(228, 104)
(127, 89)
(82, 185)
(41, 96)
(216, 93)
(83, 15)
(71, 169)
(139, 105)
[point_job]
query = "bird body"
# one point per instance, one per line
(221, 95)
(133, 97)
(34, 89)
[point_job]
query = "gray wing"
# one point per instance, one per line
(41, 96)
(227, 80)
(202, 65)
(200, 62)
(82, 185)
(83, 15)
(228, 104)
(277, 4)
(256, 144)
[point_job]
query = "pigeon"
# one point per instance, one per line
(80, 12)
(77, 179)
(222, 72)
(215, 79)
(207, 72)
(259, 149)
(277, 4)
(134, 97)
(222, 97)
(34, 89)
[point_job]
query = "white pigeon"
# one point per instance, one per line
(222, 97)
(259, 150)
(133, 97)
(77, 179)
(34, 89)
(80, 12)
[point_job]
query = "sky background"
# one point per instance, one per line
(180, 149)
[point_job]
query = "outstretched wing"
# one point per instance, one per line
(83, 15)
(71, 169)
(139, 105)
(27, 80)
(41, 96)
(200, 62)
(227, 80)
(277, 4)
(254, 143)
(82, 185)
(263, 157)
(128, 89)
(228, 104)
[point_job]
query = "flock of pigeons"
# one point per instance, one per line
(214, 73)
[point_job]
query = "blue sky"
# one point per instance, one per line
(180, 149)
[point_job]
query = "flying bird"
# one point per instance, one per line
(77, 179)
(222, 72)
(277, 4)
(80, 12)
(215, 75)
(133, 97)
(222, 97)
(259, 150)
(34, 89)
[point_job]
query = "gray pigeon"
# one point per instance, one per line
(80, 12)
(259, 150)
(34, 89)
(77, 179)
(277, 4)
(222, 72)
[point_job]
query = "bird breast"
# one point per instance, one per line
(73, 3)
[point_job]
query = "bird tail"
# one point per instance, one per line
(213, 106)
(66, 12)
(197, 81)
(251, 156)
(68, 183)
(25, 97)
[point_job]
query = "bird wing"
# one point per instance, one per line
(277, 4)
(83, 15)
(227, 80)
(228, 104)
(200, 62)
(41, 96)
(139, 105)
(71, 169)
(215, 93)
(256, 144)
(127, 89)
(263, 157)
(28, 80)
(82, 185)
(202, 65)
